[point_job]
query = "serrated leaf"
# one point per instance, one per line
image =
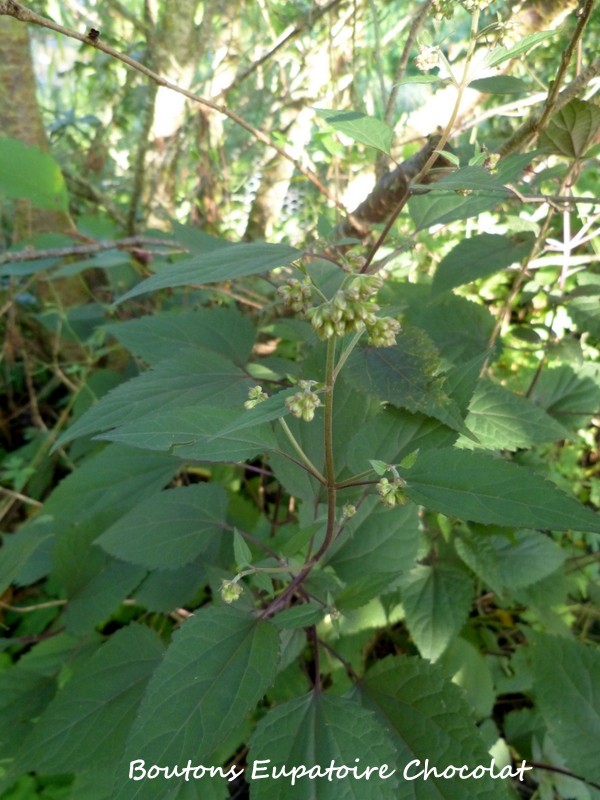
(500, 84)
(567, 692)
(405, 375)
(169, 529)
(500, 54)
(502, 420)
(190, 377)
(440, 208)
(235, 261)
(480, 488)
(101, 594)
(23, 697)
(315, 730)
(380, 467)
(29, 173)
(478, 257)
(300, 616)
(241, 551)
(436, 600)
(506, 564)
(567, 396)
(196, 432)
(469, 669)
(224, 331)
(428, 719)
(218, 666)
(87, 722)
(572, 130)
(360, 127)
(471, 178)
(377, 547)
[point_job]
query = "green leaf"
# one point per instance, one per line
(500, 84)
(394, 434)
(299, 616)
(166, 589)
(470, 670)
(109, 482)
(502, 420)
(170, 529)
(572, 130)
(23, 697)
(481, 488)
(188, 378)
(86, 724)
(478, 257)
(241, 551)
(508, 563)
(569, 397)
(405, 375)
(439, 208)
(316, 730)
(224, 331)
(29, 173)
(218, 666)
(567, 692)
(436, 600)
(360, 127)
(236, 261)
(196, 432)
(429, 720)
(472, 178)
(376, 543)
(100, 595)
(500, 54)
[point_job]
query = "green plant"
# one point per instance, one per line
(287, 538)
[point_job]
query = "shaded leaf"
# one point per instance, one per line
(87, 722)
(478, 257)
(170, 529)
(405, 375)
(478, 487)
(566, 687)
(196, 432)
(315, 730)
(236, 261)
(436, 600)
(428, 719)
(154, 338)
(505, 564)
(219, 664)
(191, 377)
(502, 420)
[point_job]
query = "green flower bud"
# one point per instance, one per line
(255, 396)
(230, 591)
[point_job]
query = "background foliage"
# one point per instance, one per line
(395, 562)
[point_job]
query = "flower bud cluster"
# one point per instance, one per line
(392, 492)
(303, 403)
(348, 310)
(230, 591)
(382, 333)
(295, 294)
(428, 58)
(255, 396)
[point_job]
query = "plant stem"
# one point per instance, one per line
(301, 454)
(328, 441)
